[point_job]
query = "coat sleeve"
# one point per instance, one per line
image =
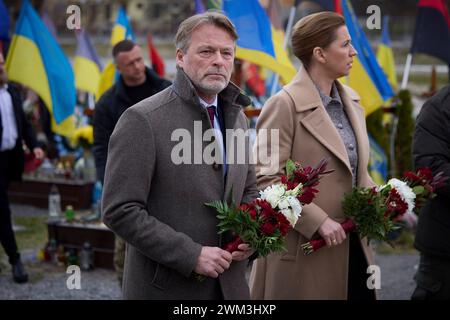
(278, 119)
(431, 141)
(128, 183)
(103, 127)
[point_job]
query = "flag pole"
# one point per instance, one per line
(286, 41)
(406, 71)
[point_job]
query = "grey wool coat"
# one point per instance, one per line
(158, 207)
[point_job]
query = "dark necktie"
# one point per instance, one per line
(211, 112)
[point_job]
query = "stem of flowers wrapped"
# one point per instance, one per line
(375, 212)
(309, 247)
(264, 223)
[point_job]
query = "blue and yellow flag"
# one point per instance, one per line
(377, 163)
(385, 56)
(258, 41)
(121, 30)
(366, 75)
(36, 61)
(86, 65)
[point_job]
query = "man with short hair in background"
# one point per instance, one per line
(136, 82)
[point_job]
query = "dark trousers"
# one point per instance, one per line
(432, 279)
(357, 272)
(7, 238)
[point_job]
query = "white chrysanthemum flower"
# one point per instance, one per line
(292, 210)
(273, 194)
(405, 192)
(284, 203)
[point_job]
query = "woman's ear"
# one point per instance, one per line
(319, 55)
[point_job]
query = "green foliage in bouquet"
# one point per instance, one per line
(248, 227)
(370, 220)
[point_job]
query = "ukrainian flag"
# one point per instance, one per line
(385, 55)
(36, 61)
(86, 64)
(121, 30)
(377, 163)
(366, 75)
(258, 40)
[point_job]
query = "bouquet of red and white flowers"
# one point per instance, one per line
(375, 212)
(264, 222)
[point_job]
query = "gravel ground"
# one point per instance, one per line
(397, 273)
(49, 282)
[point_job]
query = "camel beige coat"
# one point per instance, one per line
(306, 135)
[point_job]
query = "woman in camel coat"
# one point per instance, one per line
(317, 117)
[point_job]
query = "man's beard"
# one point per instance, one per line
(214, 87)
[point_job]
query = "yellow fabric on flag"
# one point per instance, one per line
(87, 74)
(107, 78)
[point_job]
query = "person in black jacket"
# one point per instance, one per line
(431, 148)
(14, 128)
(136, 83)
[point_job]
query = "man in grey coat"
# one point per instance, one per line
(166, 160)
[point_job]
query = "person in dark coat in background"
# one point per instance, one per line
(136, 83)
(431, 148)
(14, 129)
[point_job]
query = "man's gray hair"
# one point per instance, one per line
(187, 27)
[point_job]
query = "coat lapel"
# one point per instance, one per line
(317, 122)
(230, 119)
(356, 117)
(233, 100)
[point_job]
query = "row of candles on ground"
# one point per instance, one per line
(56, 254)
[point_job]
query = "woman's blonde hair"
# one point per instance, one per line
(315, 30)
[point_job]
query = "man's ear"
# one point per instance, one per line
(319, 55)
(179, 58)
(116, 64)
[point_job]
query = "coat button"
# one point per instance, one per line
(351, 146)
(340, 126)
(216, 166)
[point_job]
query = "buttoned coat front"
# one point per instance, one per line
(306, 135)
